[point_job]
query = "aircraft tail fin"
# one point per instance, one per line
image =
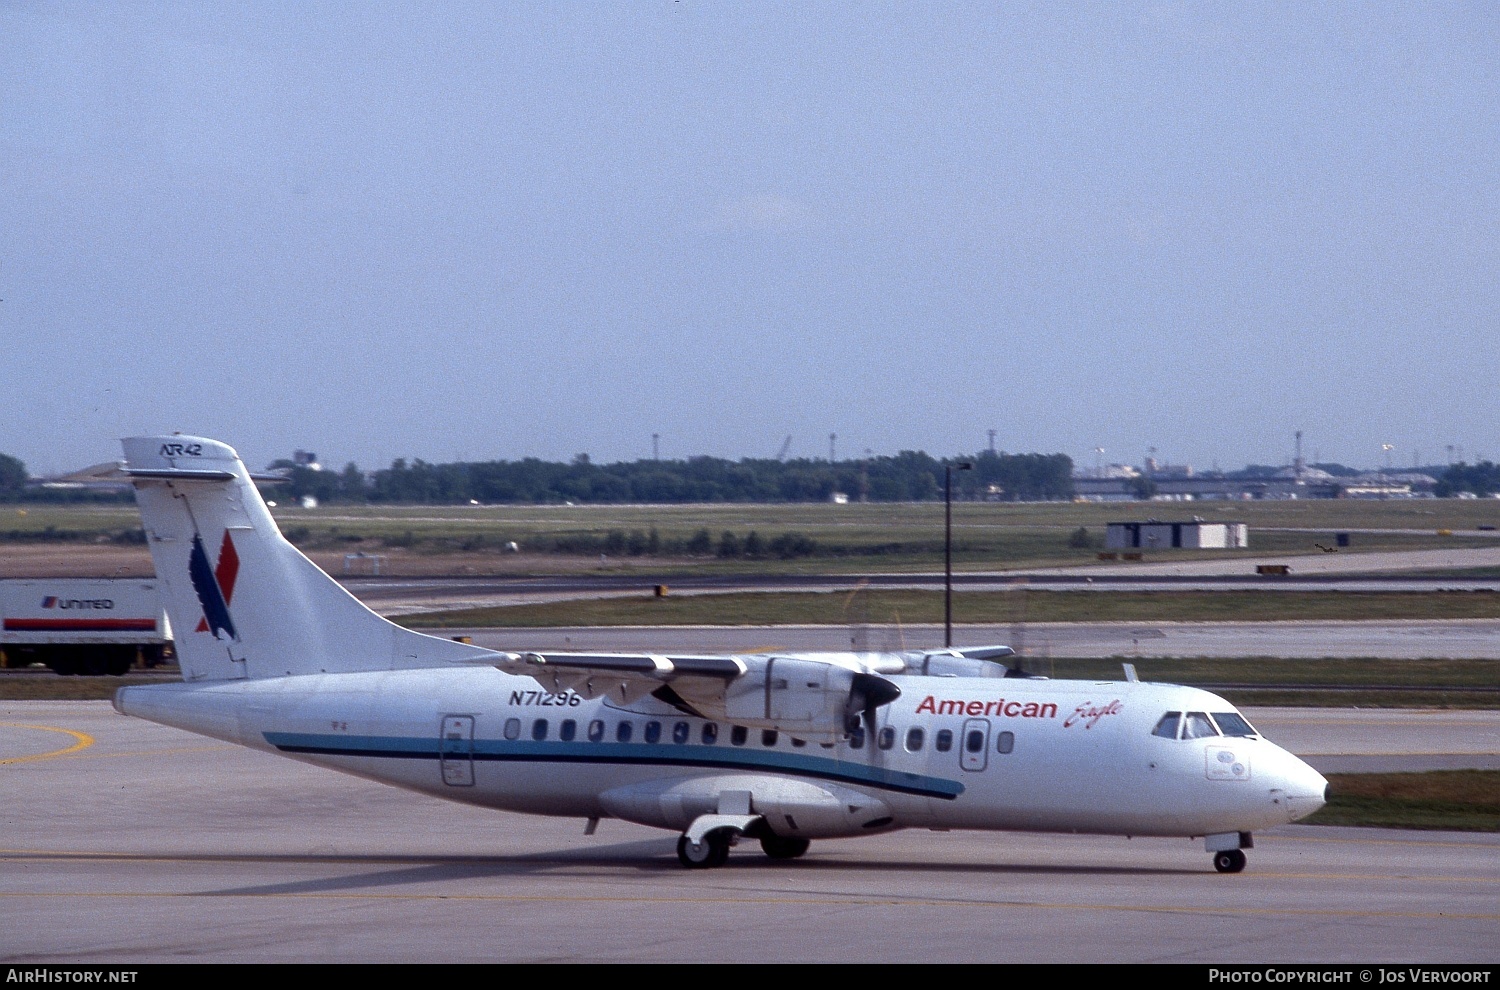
(243, 602)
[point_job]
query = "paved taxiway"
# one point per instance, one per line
(129, 842)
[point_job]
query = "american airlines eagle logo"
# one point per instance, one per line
(214, 585)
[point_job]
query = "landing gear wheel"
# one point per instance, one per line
(712, 851)
(780, 847)
(1229, 861)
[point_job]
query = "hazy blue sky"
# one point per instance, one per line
(533, 229)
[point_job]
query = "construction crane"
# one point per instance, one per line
(786, 445)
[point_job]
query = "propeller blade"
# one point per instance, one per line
(867, 693)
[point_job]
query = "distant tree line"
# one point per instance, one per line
(15, 486)
(910, 476)
(12, 475)
(1483, 479)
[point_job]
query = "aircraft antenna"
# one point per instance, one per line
(1018, 629)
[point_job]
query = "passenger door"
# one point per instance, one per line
(974, 744)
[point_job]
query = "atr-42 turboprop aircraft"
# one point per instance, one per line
(781, 748)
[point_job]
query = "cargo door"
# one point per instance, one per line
(456, 750)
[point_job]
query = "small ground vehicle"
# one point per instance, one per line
(83, 625)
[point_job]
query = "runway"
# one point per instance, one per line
(128, 842)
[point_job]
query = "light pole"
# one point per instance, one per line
(948, 470)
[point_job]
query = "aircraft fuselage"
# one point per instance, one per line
(950, 752)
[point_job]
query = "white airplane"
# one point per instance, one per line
(781, 748)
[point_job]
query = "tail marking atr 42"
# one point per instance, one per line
(781, 748)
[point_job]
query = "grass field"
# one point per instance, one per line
(844, 538)
(1456, 800)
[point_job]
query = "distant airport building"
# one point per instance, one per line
(1285, 485)
(1196, 535)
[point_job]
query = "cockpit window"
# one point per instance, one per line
(1198, 726)
(1167, 727)
(1234, 724)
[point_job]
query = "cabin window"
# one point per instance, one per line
(513, 728)
(974, 741)
(943, 741)
(798, 743)
(1234, 724)
(710, 733)
(1167, 727)
(567, 730)
(768, 737)
(622, 732)
(680, 733)
(539, 730)
(887, 738)
(738, 735)
(1007, 742)
(653, 732)
(914, 739)
(1198, 726)
(596, 731)
(857, 739)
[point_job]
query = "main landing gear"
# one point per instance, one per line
(780, 847)
(713, 849)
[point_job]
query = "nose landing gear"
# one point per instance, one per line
(1229, 861)
(1228, 849)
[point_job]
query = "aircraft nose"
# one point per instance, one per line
(1305, 789)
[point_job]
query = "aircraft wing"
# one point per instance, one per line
(808, 695)
(623, 677)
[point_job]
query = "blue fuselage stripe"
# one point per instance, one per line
(658, 755)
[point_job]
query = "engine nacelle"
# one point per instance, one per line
(978, 661)
(802, 697)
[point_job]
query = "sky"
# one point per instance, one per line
(457, 231)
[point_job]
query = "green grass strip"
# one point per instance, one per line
(1457, 800)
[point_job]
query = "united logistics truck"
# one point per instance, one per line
(83, 625)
